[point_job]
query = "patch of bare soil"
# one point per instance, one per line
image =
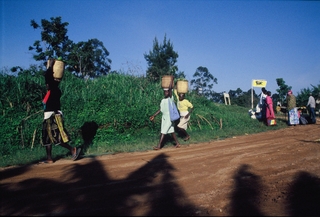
(274, 173)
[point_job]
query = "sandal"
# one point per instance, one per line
(186, 138)
(177, 146)
(46, 162)
(76, 153)
(155, 148)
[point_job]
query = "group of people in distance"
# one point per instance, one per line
(295, 116)
(264, 109)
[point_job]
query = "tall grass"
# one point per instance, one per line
(106, 115)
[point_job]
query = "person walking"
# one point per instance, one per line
(167, 126)
(312, 107)
(262, 103)
(185, 108)
(53, 131)
(293, 118)
(269, 108)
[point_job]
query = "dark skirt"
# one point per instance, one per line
(53, 131)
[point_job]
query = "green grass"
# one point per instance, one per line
(233, 124)
(119, 105)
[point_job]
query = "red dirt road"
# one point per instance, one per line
(275, 173)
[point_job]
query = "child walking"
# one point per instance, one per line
(185, 108)
(167, 126)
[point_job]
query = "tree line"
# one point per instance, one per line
(89, 60)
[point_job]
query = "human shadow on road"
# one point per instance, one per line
(84, 190)
(88, 131)
(245, 197)
(304, 195)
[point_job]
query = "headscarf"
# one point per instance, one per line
(291, 101)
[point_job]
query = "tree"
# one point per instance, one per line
(283, 89)
(161, 60)
(203, 81)
(303, 95)
(89, 59)
(217, 97)
(275, 99)
(236, 93)
(180, 74)
(83, 59)
(240, 98)
(54, 38)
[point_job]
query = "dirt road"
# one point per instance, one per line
(273, 173)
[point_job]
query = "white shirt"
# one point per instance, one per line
(311, 102)
(262, 98)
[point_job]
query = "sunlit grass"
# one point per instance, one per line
(145, 142)
(120, 107)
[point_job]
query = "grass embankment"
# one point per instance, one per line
(226, 122)
(109, 115)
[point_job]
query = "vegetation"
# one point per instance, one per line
(105, 115)
(109, 113)
(90, 60)
(282, 91)
(84, 59)
(203, 81)
(303, 95)
(161, 60)
(54, 40)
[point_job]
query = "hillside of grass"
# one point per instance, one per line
(106, 115)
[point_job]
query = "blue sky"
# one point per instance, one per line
(236, 40)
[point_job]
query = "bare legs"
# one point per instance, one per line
(161, 140)
(72, 150)
(49, 156)
(184, 132)
(67, 146)
(176, 140)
